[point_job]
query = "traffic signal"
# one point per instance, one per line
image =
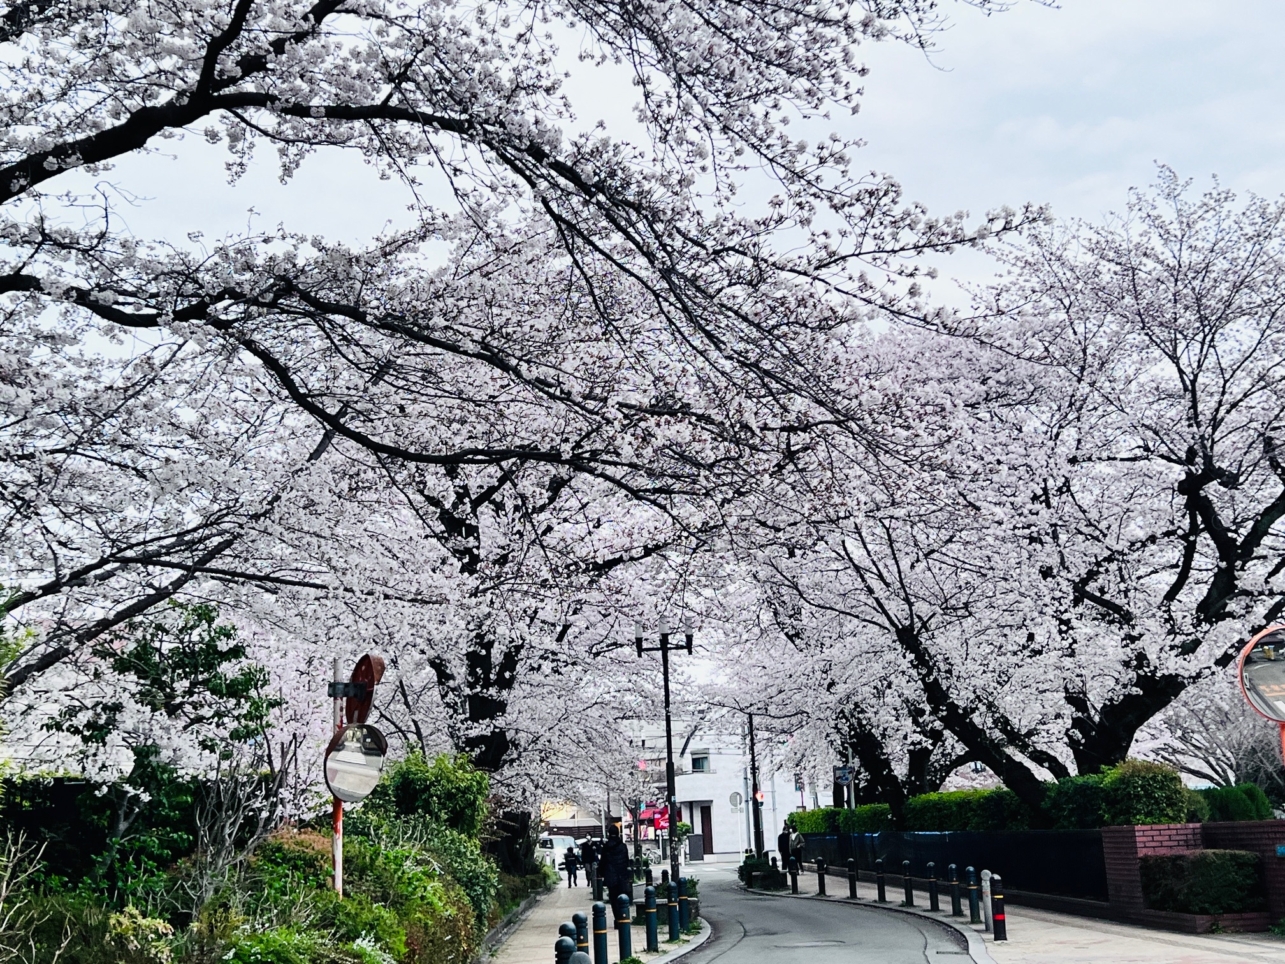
(758, 797)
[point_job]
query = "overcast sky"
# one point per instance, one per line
(1068, 105)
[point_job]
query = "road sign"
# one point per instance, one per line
(1262, 673)
(354, 761)
(844, 775)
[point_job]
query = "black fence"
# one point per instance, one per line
(1065, 863)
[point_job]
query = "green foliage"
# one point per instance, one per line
(997, 809)
(1203, 882)
(186, 666)
(450, 792)
(1077, 803)
(1197, 807)
(761, 869)
(1141, 792)
(1245, 801)
(811, 821)
(283, 945)
(868, 818)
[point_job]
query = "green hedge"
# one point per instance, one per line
(1245, 801)
(1203, 882)
(868, 818)
(998, 809)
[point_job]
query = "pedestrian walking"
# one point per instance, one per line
(572, 864)
(589, 853)
(796, 848)
(613, 866)
(783, 846)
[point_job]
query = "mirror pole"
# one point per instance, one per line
(337, 839)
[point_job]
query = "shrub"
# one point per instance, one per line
(768, 878)
(813, 821)
(997, 809)
(1197, 807)
(1077, 803)
(1244, 801)
(284, 945)
(1203, 882)
(450, 791)
(868, 818)
(1141, 792)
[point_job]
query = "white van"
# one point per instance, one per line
(551, 849)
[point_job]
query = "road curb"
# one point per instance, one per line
(706, 931)
(977, 950)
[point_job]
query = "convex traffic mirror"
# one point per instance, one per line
(1262, 673)
(354, 761)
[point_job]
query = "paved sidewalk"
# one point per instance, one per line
(1044, 937)
(532, 940)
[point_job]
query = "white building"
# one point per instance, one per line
(712, 782)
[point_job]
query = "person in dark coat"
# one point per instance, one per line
(783, 846)
(589, 854)
(572, 864)
(613, 866)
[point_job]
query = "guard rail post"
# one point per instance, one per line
(794, 876)
(852, 879)
(563, 948)
(821, 876)
(907, 884)
(997, 908)
(581, 924)
(974, 908)
(684, 908)
(933, 904)
(599, 933)
(952, 873)
(879, 881)
(624, 929)
(674, 929)
(649, 902)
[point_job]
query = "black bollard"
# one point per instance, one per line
(952, 873)
(600, 933)
(794, 876)
(907, 883)
(997, 908)
(567, 929)
(623, 928)
(883, 898)
(563, 948)
(664, 878)
(852, 879)
(974, 897)
(580, 957)
(674, 929)
(647, 878)
(684, 909)
(932, 888)
(581, 924)
(821, 876)
(649, 902)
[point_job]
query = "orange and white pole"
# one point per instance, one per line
(337, 840)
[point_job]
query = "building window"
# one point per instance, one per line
(700, 764)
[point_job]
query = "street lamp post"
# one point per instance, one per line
(671, 792)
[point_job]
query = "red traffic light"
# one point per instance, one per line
(758, 796)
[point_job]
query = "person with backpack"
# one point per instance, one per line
(572, 865)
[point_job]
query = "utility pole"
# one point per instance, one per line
(757, 799)
(671, 791)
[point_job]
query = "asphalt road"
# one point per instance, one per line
(751, 929)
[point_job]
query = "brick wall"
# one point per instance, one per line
(1262, 837)
(1122, 846)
